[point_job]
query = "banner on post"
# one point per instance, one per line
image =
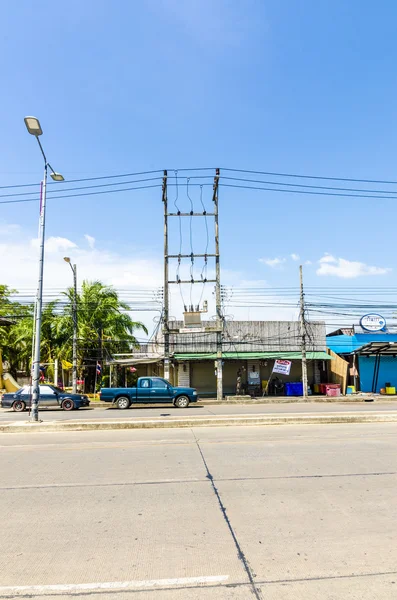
(282, 366)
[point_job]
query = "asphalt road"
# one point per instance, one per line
(201, 410)
(278, 513)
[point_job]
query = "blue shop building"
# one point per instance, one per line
(371, 351)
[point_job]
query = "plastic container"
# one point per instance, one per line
(350, 389)
(391, 390)
(316, 388)
(293, 388)
(333, 392)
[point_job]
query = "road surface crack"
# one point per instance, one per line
(243, 559)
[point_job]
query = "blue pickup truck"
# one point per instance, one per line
(149, 390)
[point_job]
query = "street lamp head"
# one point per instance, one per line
(66, 259)
(57, 177)
(33, 126)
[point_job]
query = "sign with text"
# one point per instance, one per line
(282, 366)
(373, 322)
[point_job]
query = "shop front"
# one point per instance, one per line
(371, 356)
(250, 373)
(377, 367)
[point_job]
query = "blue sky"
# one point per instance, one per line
(295, 87)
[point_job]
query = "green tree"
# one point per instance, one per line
(15, 330)
(104, 326)
(20, 336)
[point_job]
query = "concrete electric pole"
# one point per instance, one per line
(303, 333)
(218, 329)
(74, 360)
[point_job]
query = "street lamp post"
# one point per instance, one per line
(34, 128)
(74, 371)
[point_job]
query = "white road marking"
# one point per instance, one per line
(113, 585)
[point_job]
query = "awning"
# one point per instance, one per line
(254, 356)
(135, 361)
(377, 348)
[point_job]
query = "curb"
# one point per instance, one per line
(279, 400)
(54, 426)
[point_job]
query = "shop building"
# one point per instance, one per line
(249, 349)
(371, 356)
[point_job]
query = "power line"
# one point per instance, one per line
(61, 189)
(3, 187)
(310, 176)
(250, 187)
(320, 187)
(142, 187)
(75, 189)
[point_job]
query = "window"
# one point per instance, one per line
(45, 389)
(145, 383)
(159, 384)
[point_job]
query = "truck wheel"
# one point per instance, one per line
(67, 404)
(19, 406)
(182, 402)
(123, 402)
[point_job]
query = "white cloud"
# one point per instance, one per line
(272, 262)
(347, 269)
(55, 244)
(308, 262)
(295, 256)
(327, 258)
(90, 240)
(128, 272)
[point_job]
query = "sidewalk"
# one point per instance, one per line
(184, 421)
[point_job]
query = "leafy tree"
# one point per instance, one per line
(104, 327)
(103, 324)
(12, 340)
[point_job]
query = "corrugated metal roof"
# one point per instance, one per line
(382, 348)
(247, 336)
(254, 356)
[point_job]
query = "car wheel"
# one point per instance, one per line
(67, 404)
(123, 402)
(182, 402)
(19, 406)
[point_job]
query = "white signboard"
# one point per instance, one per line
(282, 366)
(373, 322)
(253, 377)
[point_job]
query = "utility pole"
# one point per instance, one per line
(74, 311)
(74, 359)
(56, 371)
(303, 333)
(218, 299)
(218, 328)
(34, 128)
(166, 282)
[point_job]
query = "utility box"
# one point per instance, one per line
(192, 319)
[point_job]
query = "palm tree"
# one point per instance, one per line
(19, 342)
(16, 333)
(104, 326)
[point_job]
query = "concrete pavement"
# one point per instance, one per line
(199, 416)
(145, 412)
(280, 513)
